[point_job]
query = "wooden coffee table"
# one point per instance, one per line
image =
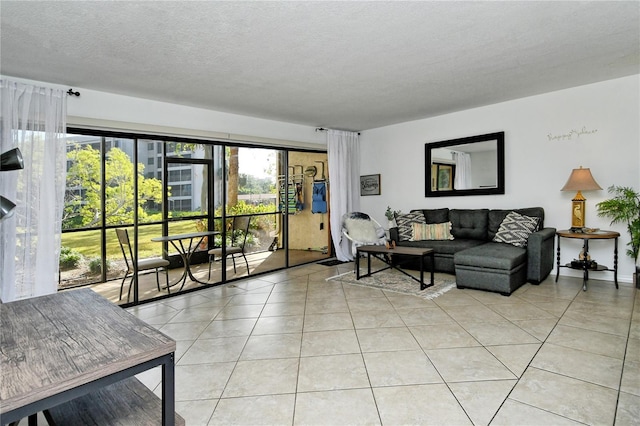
(386, 255)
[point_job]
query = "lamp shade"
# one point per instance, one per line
(11, 160)
(6, 207)
(581, 180)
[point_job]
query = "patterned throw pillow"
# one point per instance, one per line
(404, 222)
(431, 231)
(516, 228)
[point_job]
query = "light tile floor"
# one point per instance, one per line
(291, 348)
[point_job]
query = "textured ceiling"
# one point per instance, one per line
(346, 65)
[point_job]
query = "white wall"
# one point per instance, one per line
(483, 169)
(538, 158)
(107, 106)
(102, 109)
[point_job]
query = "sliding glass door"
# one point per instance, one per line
(267, 206)
(251, 196)
(307, 207)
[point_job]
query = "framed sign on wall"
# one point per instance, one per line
(370, 185)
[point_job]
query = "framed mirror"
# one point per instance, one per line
(467, 166)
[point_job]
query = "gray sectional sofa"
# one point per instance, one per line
(474, 257)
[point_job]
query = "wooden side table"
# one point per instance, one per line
(584, 264)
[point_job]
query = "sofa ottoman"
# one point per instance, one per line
(492, 266)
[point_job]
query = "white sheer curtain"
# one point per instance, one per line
(33, 120)
(343, 149)
(463, 170)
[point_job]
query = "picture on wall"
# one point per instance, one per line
(442, 177)
(370, 185)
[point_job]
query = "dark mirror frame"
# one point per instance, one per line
(499, 189)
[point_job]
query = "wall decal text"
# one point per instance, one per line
(571, 134)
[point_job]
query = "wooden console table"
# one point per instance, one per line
(584, 265)
(62, 346)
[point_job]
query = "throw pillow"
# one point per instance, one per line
(404, 222)
(431, 231)
(516, 228)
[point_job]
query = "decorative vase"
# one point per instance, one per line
(392, 224)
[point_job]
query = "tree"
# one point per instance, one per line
(232, 186)
(250, 184)
(82, 198)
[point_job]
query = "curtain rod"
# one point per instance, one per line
(70, 92)
(322, 129)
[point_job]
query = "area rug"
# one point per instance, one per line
(394, 281)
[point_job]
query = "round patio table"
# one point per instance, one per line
(186, 250)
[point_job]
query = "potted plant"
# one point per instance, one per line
(391, 217)
(624, 207)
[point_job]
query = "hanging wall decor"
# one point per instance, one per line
(370, 185)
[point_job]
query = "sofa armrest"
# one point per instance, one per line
(540, 252)
(393, 234)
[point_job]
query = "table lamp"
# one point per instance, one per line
(580, 180)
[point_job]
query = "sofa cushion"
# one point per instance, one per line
(431, 231)
(471, 224)
(497, 216)
(436, 215)
(405, 221)
(515, 229)
(444, 247)
(492, 255)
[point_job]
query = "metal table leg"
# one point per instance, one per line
(558, 260)
(615, 262)
(168, 392)
(585, 263)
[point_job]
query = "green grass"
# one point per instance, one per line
(88, 242)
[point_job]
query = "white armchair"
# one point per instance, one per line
(362, 230)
